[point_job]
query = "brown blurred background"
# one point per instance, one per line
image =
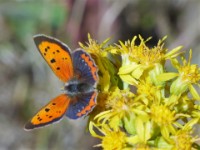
(26, 81)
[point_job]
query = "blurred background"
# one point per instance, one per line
(26, 81)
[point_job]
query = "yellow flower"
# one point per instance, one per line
(164, 118)
(183, 140)
(136, 60)
(119, 100)
(188, 74)
(119, 105)
(148, 93)
(94, 48)
(114, 140)
(160, 114)
(111, 139)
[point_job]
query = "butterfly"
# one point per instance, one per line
(78, 71)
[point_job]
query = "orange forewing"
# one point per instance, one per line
(57, 55)
(50, 113)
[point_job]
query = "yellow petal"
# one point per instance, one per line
(191, 124)
(165, 133)
(105, 81)
(127, 68)
(114, 122)
(123, 47)
(128, 124)
(91, 125)
(166, 76)
(128, 79)
(133, 40)
(139, 124)
(173, 52)
(148, 130)
(137, 72)
(133, 139)
(194, 92)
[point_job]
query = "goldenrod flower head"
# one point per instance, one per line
(136, 59)
(145, 55)
(119, 100)
(183, 140)
(114, 140)
(119, 105)
(188, 74)
(148, 92)
(162, 115)
(111, 139)
(142, 54)
(94, 48)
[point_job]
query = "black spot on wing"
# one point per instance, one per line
(47, 48)
(53, 60)
(47, 109)
(39, 119)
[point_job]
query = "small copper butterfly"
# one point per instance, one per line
(78, 71)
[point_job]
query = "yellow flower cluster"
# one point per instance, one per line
(141, 105)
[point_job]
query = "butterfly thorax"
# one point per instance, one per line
(75, 87)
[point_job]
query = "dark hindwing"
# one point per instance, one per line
(84, 67)
(81, 105)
